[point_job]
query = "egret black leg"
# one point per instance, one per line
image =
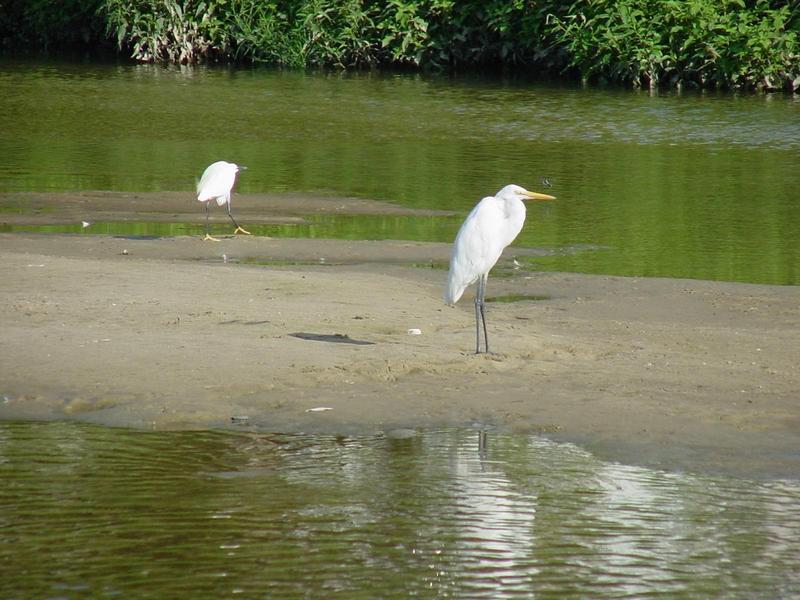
(208, 236)
(480, 316)
(478, 319)
(235, 224)
(483, 313)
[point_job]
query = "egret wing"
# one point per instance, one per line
(477, 248)
(217, 182)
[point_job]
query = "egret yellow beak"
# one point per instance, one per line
(538, 196)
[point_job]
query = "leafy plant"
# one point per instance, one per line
(266, 32)
(338, 33)
(705, 43)
(168, 30)
(725, 43)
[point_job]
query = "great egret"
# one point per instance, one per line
(217, 184)
(490, 227)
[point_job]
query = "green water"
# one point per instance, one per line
(694, 185)
(352, 227)
(90, 512)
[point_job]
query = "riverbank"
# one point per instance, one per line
(176, 333)
(711, 45)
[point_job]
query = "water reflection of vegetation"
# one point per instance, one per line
(113, 228)
(345, 227)
(671, 186)
(370, 227)
(685, 255)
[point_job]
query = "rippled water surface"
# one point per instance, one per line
(693, 185)
(96, 512)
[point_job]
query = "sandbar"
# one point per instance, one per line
(252, 333)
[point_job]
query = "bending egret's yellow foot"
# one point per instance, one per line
(240, 230)
(210, 238)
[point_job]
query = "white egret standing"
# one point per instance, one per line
(490, 227)
(217, 184)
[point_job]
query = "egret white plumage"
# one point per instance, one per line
(491, 226)
(217, 184)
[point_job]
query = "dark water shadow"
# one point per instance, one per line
(336, 338)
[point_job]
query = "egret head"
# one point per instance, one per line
(511, 192)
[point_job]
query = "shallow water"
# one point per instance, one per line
(693, 185)
(95, 512)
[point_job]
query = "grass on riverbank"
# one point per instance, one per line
(740, 44)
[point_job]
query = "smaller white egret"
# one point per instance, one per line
(217, 184)
(491, 226)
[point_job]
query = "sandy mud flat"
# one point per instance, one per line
(176, 333)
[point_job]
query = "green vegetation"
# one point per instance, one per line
(721, 43)
(704, 43)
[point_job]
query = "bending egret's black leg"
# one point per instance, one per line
(483, 312)
(235, 224)
(208, 237)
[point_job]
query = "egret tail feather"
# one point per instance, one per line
(453, 291)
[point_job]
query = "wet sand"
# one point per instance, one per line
(168, 334)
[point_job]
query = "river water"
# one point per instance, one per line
(96, 512)
(693, 185)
